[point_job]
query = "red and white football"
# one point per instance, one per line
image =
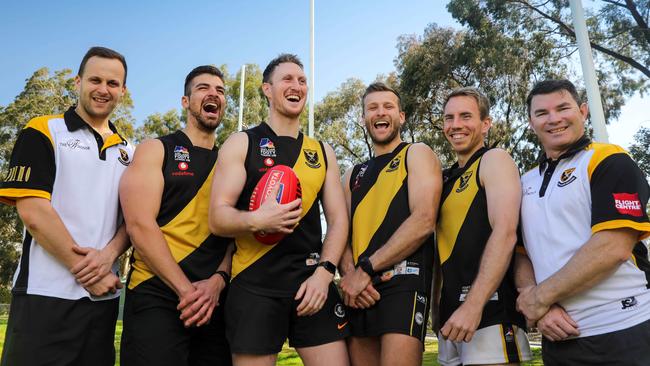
(289, 190)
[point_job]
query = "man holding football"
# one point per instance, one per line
(283, 289)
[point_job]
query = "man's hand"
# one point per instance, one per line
(529, 304)
(462, 324)
(95, 265)
(368, 297)
(352, 285)
(313, 292)
(557, 325)
(196, 308)
(109, 284)
(273, 217)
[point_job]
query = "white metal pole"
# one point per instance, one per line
(311, 72)
(242, 79)
(588, 72)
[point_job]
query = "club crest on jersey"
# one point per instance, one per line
(628, 204)
(267, 148)
(567, 177)
(464, 181)
(311, 158)
(394, 164)
(124, 157)
(181, 153)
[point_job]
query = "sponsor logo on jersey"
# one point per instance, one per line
(18, 173)
(339, 311)
(267, 148)
(529, 191)
(357, 179)
(269, 162)
(508, 334)
(419, 318)
(394, 164)
(422, 298)
(567, 177)
(311, 158)
(313, 259)
(181, 154)
(464, 181)
(628, 204)
(124, 157)
(629, 302)
(74, 144)
(183, 165)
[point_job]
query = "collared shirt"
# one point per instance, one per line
(590, 188)
(62, 159)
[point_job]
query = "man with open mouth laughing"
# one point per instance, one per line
(173, 314)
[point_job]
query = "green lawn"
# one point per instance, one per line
(288, 357)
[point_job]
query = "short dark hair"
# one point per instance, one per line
(102, 52)
(282, 58)
(379, 87)
(551, 86)
(481, 100)
(200, 70)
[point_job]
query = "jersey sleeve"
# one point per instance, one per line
(619, 195)
(31, 168)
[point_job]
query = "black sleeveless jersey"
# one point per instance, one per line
(462, 233)
(379, 205)
(278, 270)
(183, 217)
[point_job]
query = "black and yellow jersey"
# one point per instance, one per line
(183, 217)
(278, 270)
(462, 233)
(379, 205)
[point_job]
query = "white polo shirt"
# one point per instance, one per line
(61, 158)
(592, 187)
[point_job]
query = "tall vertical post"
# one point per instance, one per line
(242, 80)
(312, 88)
(588, 72)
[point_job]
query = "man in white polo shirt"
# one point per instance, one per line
(63, 178)
(583, 215)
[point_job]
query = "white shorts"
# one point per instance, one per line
(501, 343)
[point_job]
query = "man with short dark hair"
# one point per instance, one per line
(583, 215)
(387, 268)
(173, 314)
(285, 289)
(63, 178)
(476, 236)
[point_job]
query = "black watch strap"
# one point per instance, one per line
(329, 266)
(366, 266)
(224, 275)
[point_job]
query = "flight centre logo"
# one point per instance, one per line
(267, 148)
(311, 158)
(394, 164)
(628, 204)
(124, 157)
(464, 181)
(567, 177)
(181, 154)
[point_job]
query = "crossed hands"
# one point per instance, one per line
(93, 272)
(552, 320)
(358, 291)
(197, 305)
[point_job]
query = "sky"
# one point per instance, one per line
(163, 40)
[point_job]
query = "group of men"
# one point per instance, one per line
(203, 291)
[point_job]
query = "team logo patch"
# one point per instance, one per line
(628, 204)
(422, 298)
(629, 302)
(267, 147)
(464, 181)
(181, 153)
(124, 157)
(567, 177)
(269, 162)
(74, 144)
(394, 164)
(419, 318)
(339, 310)
(311, 157)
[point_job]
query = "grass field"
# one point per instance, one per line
(288, 357)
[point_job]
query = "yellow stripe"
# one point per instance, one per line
(372, 210)
(184, 233)
(601, 152)
(413, 312)
(642, 227)
(503, 344)
(112, 140)
(9, 195)
(249, 250)
(41, 124)
(454, 211)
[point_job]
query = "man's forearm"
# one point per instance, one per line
(523, 271)
(231, 222)
(119, 244)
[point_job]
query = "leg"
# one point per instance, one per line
(98, 344)
(329, 354)
(208, 344)
(401, 350)
(364, 351)
(239, 359)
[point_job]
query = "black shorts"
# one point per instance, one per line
(153, 334)
(404, 312)
(257, 324)
(44, 330)
(627, 347)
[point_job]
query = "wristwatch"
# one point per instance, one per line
(224, 275)
(329, 266)
(366, 266)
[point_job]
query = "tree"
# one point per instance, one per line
(640, 149)
(157, 125)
